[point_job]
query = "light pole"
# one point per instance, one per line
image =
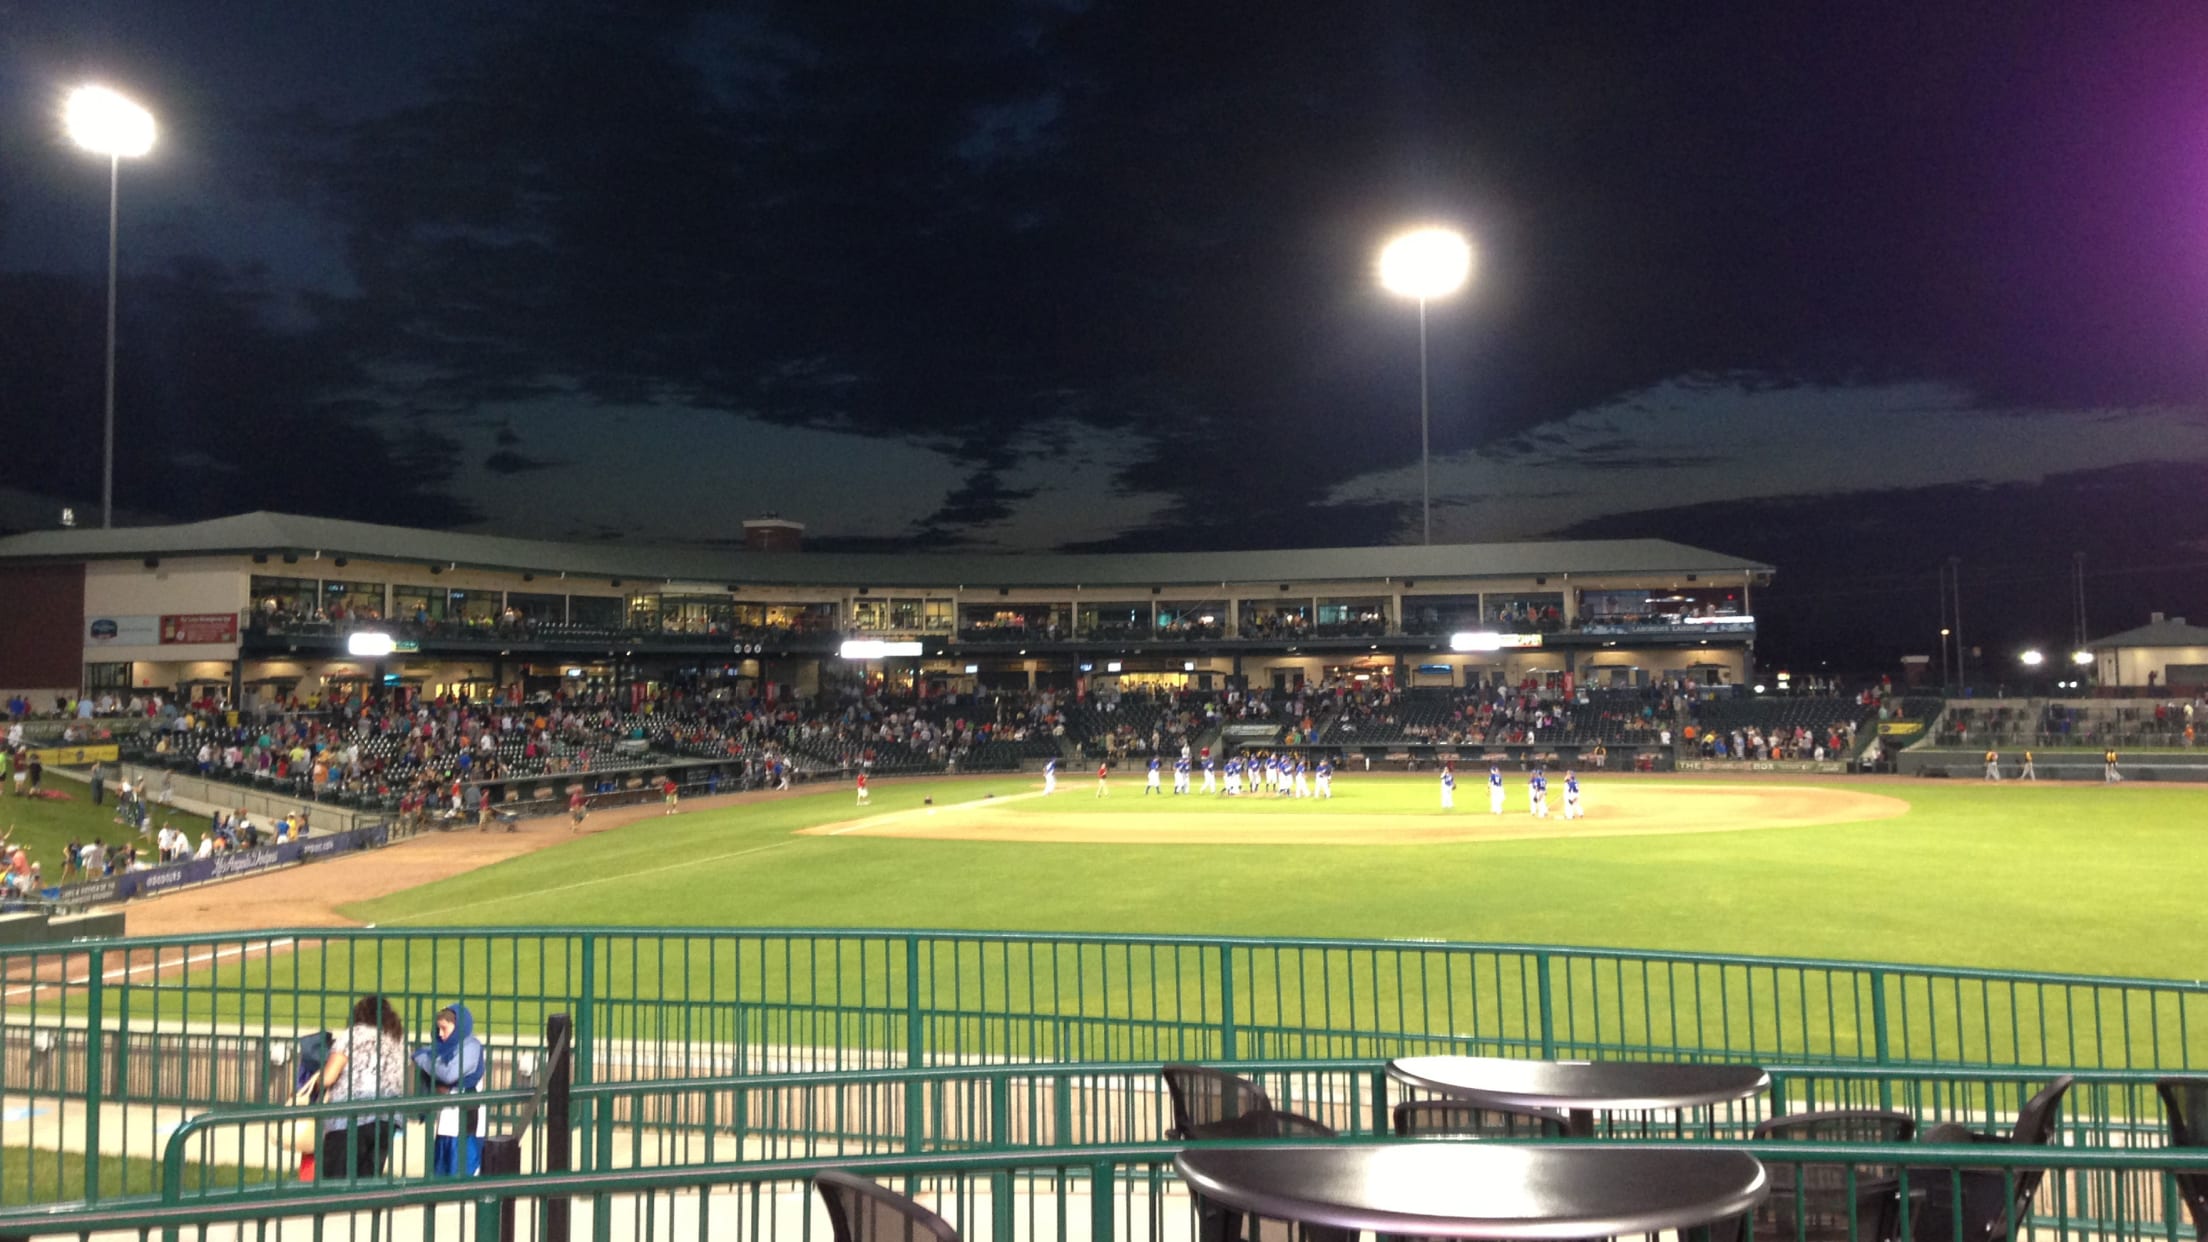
(105, 123)
(1425, 264)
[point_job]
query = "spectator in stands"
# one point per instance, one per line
(367, 1063)
(453, 1063)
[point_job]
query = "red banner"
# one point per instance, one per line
(200, 627)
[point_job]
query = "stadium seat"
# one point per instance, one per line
(1208, 1101)
(2186, 1102)
(1817, 1202)
(861, 1211)
(1979, 1205)
(1465, 1119)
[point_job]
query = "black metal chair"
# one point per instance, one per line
(861, 1211)
(1206, 1102)
(1465, 1119)
(2186, 1101)
(1979, 1205)
(1816, 1202)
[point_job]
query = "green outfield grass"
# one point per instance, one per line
(2079, 878)
(44, 826)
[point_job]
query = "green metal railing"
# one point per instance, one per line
(1119, 1193)
(123, 1039)
(993, 1109)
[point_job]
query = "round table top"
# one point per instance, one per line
(1480, 1190)
(1591, 1085)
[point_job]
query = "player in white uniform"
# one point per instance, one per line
(1050, 776)
(1323, 775)
(1152, 787)
(1495, 788)
(1448, 787)
(1572, 809)
(1303, 777)
(1234, 777)
(1211, 776)
(1180, 772)
(1537, 794)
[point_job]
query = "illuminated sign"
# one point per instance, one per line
(876, 649)
(1483, 641)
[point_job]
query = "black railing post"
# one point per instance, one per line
(558, 1133)
(502, 1158)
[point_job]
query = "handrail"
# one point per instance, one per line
(550, 931)
(173, 1153)
(292, 1201)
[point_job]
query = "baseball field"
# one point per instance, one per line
(2043, 877)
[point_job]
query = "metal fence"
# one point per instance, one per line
(1125, 1194)
(107, 1047)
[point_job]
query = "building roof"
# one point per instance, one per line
(274, 533)
(2160, 632)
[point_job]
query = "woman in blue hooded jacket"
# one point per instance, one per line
(454, 1063)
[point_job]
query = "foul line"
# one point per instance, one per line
(125, 972)
(861, 825)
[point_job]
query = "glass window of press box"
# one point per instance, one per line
(1013, 622)
(1661, 606)
(1360, 617)
(696, 614)
(285, 599)
(1274, 618)
(1198, 618)
(1441, 614)
(1526, 612)
(536, 609)
(1128, 620)
(356, 601)
(602, 612)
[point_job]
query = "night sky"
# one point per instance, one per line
(1850, 288)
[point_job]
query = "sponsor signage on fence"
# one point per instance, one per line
(74, 756)
(160, 879)
(1241, 732)
(1900, 728)
(199, 627)
(1825, 767)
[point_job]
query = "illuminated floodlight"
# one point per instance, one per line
(1426, 263)
(2082, 659)
(371, 643)
(972, 669)
(102, 121)
(2033, 658)
(1111, 666)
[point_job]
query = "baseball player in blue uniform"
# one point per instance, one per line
(1303, 777)
(1324, 775)
(1211, 777)
(1495, 788)
(1050, 775)
(1152, 787)
(1572, 809)
(1448, 787)
(1537, 794)
(1180, 772)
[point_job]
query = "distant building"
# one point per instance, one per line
(2163, 652)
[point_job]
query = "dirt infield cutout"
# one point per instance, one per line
(1625, 810)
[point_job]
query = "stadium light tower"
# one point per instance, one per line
(105, 123)
(1425, 264)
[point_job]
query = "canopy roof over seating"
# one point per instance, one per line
(282, 533)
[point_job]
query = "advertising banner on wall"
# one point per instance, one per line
(75, 756)
(121, 631)
(199, 627)
(222, 866)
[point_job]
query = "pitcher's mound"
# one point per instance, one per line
(1622, 810)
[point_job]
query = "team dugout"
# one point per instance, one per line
(276, 606)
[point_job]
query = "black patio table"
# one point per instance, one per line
(1480, 1190)
(1581, 1088)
